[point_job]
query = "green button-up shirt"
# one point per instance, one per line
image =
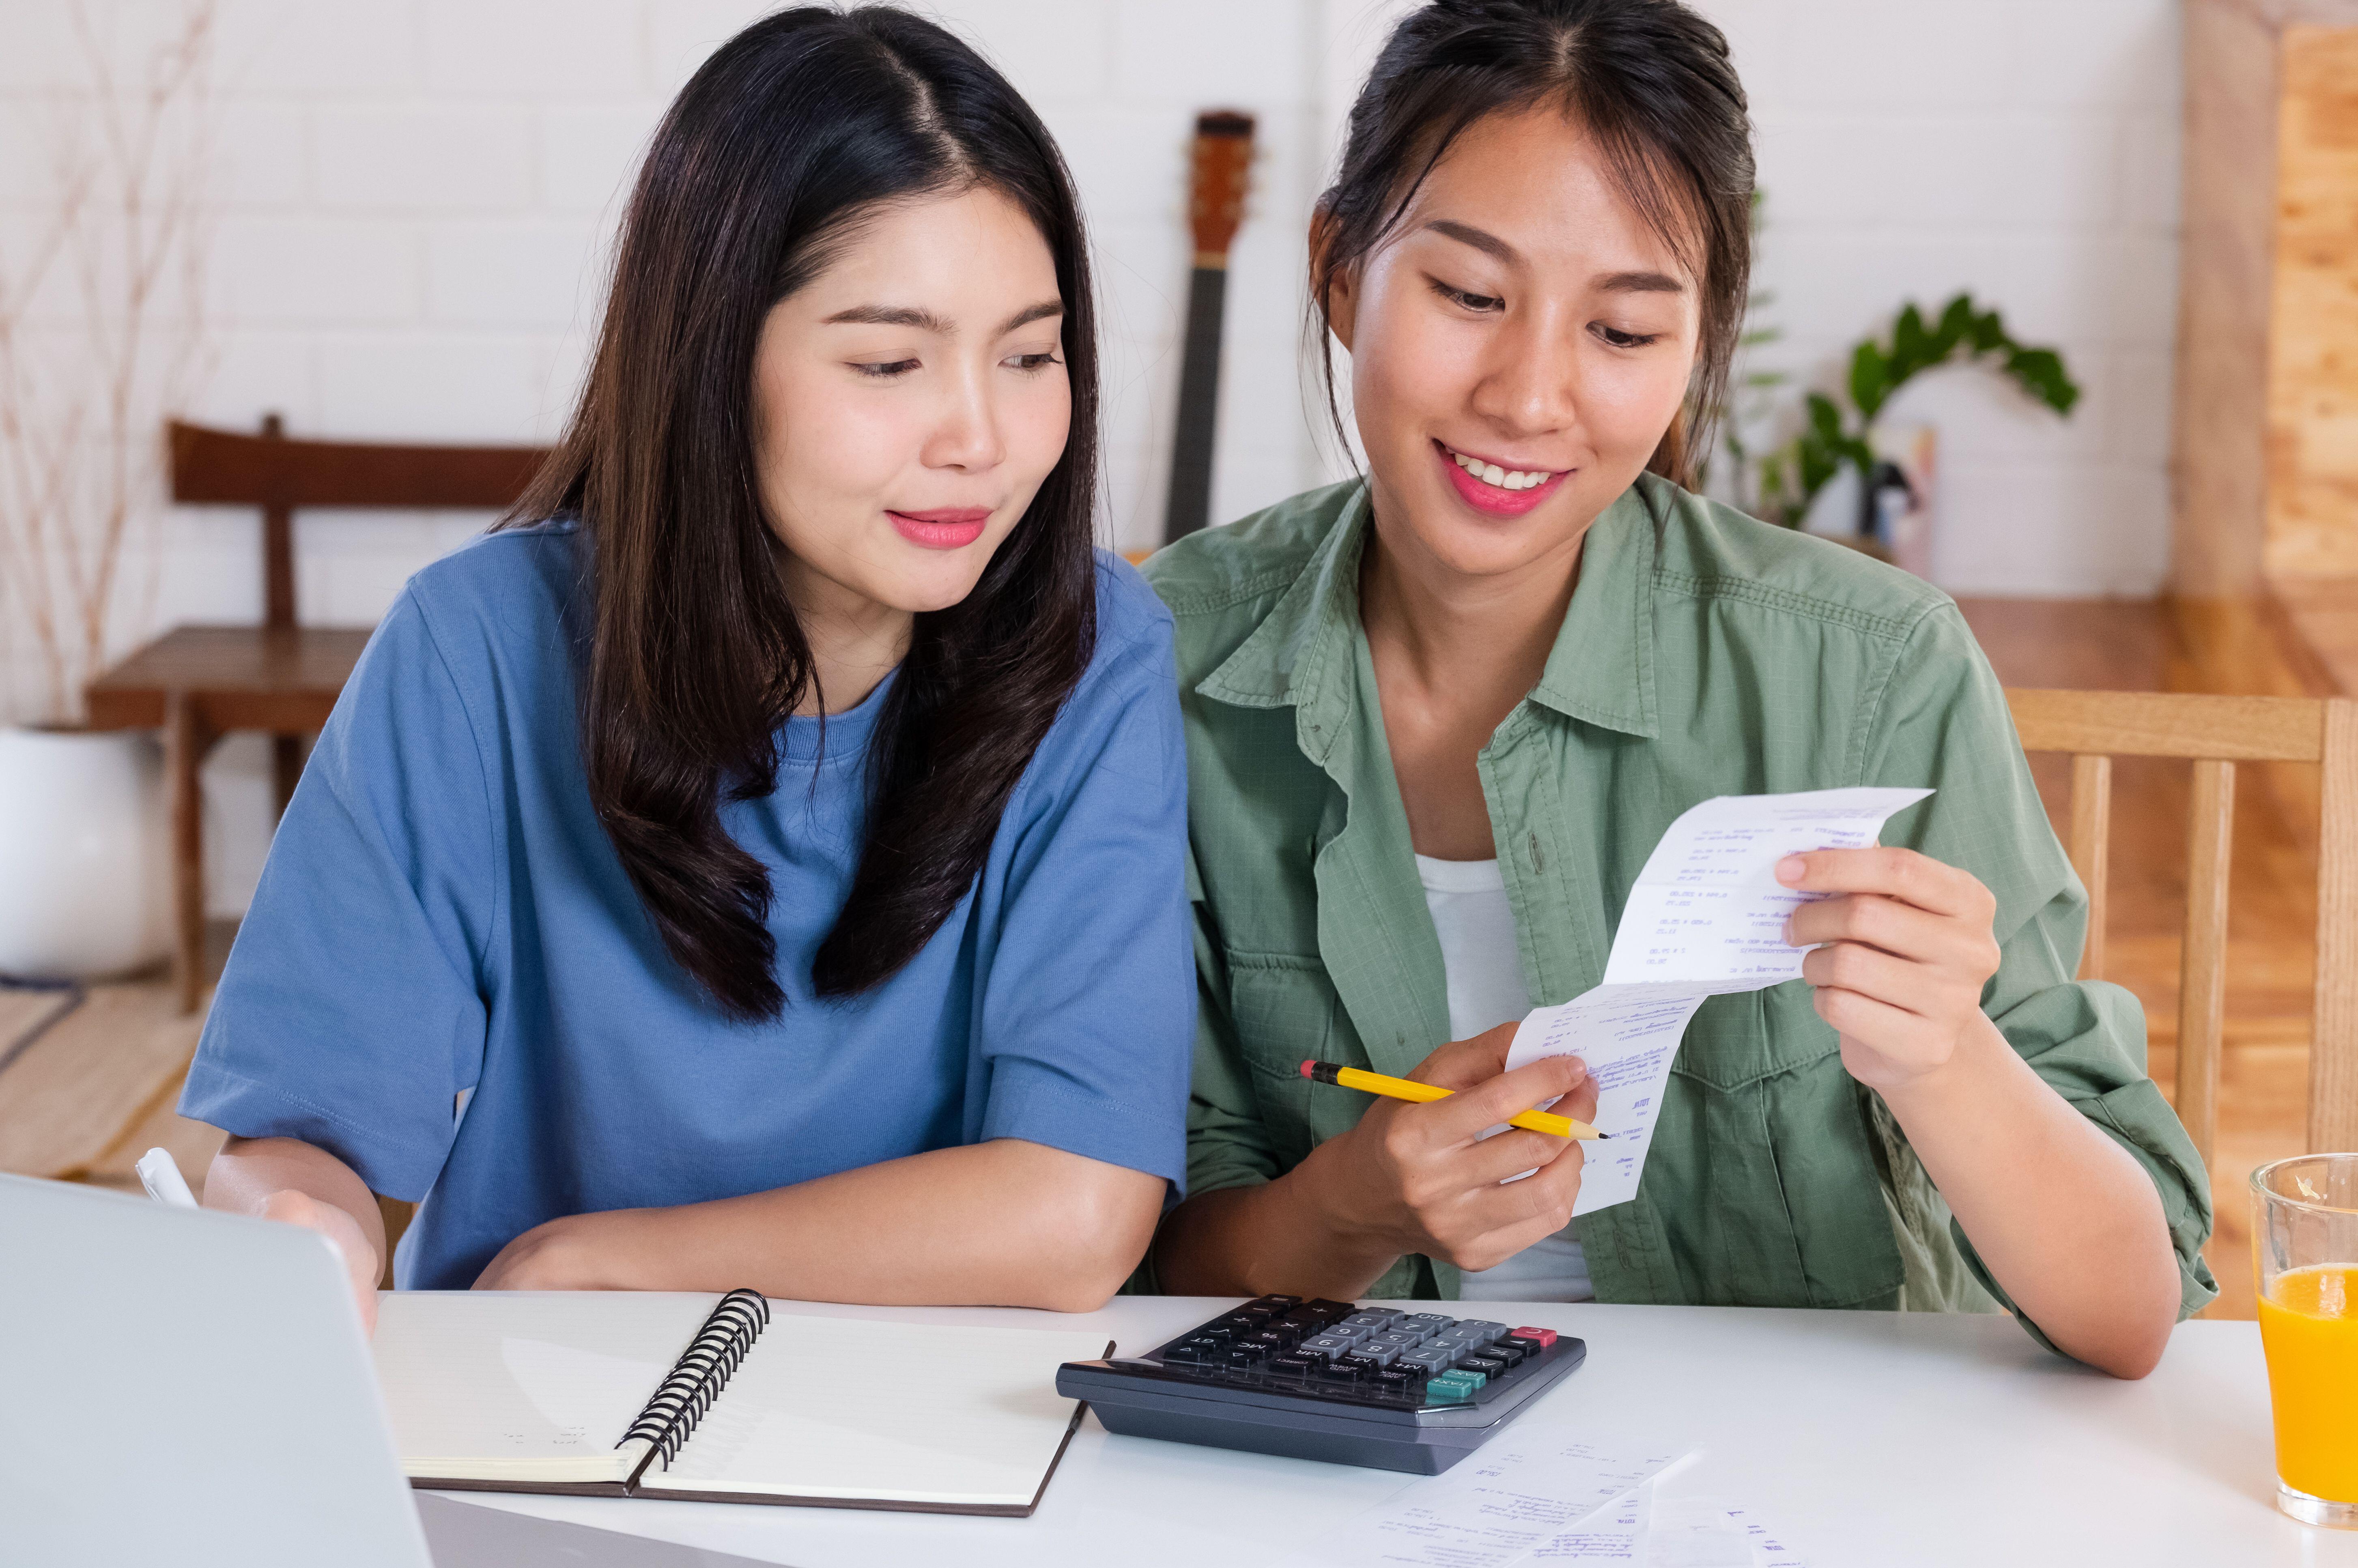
(1703, 654)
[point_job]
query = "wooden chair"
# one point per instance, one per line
(2215, 733)
(198, 683)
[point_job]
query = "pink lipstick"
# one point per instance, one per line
(945, 528)
(1490, 499)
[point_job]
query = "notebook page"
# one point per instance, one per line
(842, 1408)
(525, 1385)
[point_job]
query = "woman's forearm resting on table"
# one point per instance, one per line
(2065, 1218)
(1003, 1223)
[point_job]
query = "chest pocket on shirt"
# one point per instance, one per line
(1286, 1011)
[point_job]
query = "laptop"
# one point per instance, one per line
(185, 1387)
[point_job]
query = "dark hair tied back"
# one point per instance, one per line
(784, 139)
(1650, 80)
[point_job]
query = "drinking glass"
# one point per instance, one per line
(2305, 1241)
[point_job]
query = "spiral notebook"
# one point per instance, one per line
(647, 1394)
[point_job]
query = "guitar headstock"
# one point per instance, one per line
(1215, 196)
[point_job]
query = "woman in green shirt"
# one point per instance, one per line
(1438, 718)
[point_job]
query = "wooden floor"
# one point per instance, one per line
(86, 1088)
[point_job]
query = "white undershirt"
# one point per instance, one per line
(1467, 900)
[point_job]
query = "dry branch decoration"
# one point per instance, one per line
(103, 333)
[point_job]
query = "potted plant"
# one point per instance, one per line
(1893, 466)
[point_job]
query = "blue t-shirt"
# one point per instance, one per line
(441, 913)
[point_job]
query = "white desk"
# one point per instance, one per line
(1871, 1440)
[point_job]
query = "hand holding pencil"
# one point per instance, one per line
(1425, 1094)
(1415, 1175)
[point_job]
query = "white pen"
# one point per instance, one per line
(163, 1180)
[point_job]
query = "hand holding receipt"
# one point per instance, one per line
(1707, 917)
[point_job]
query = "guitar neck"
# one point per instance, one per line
(1190, 504)
(1215, 198)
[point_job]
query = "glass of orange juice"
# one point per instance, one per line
(2305, 1241)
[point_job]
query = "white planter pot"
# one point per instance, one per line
(85, 873)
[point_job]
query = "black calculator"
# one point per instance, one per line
(1319, 1379)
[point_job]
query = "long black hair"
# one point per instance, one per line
(1650, 80)
(781, 142)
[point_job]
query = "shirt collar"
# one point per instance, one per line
(1600, 670)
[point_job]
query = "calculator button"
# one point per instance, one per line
(1393, 1380)
(1462, 1334)
(1272, 1304)
(1326, 1345)
(1335, 1376)
(1336, 1309)
(1449, 1388)
(1542, 1338)
(1378, 1354)
(1508, 1352)
(1393, 1342)
(1374, 1322)
(1355, 1333)
(1187, 1354)
(1516, 1342)
(1360, 1364)
(1476, 1378)
(1489, 1331)
(1290, 1366)
(1489, 1366)
(1427, 1360)
(1270, 1340)
(1424, 1322)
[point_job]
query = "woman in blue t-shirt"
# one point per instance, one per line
(761, 862)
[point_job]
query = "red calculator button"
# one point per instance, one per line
(1546, 1336)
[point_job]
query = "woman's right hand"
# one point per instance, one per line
(289, 1206)
(1420, 1178)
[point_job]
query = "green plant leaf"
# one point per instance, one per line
(1825, 419)
(1912, 349)
(1871, 379)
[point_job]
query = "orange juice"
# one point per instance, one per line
(2308, 1324)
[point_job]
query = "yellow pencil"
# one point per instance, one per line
(1401, 1089)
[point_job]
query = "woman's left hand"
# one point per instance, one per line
(1906, 948)
(562, 1254)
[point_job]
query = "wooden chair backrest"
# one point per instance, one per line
(276, 474)
(2215, 733)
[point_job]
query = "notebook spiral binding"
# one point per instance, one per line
(702, 1370)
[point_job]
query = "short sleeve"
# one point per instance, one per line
(1088, 993)
(352, 1012)
(1943, 722)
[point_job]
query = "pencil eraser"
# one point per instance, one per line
(1307, 1068)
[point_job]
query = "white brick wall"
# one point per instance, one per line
(413, 196)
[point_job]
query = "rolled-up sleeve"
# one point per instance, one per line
(1227, 1141)
(1943, 722)
(1088, 995)
(350, 1014)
